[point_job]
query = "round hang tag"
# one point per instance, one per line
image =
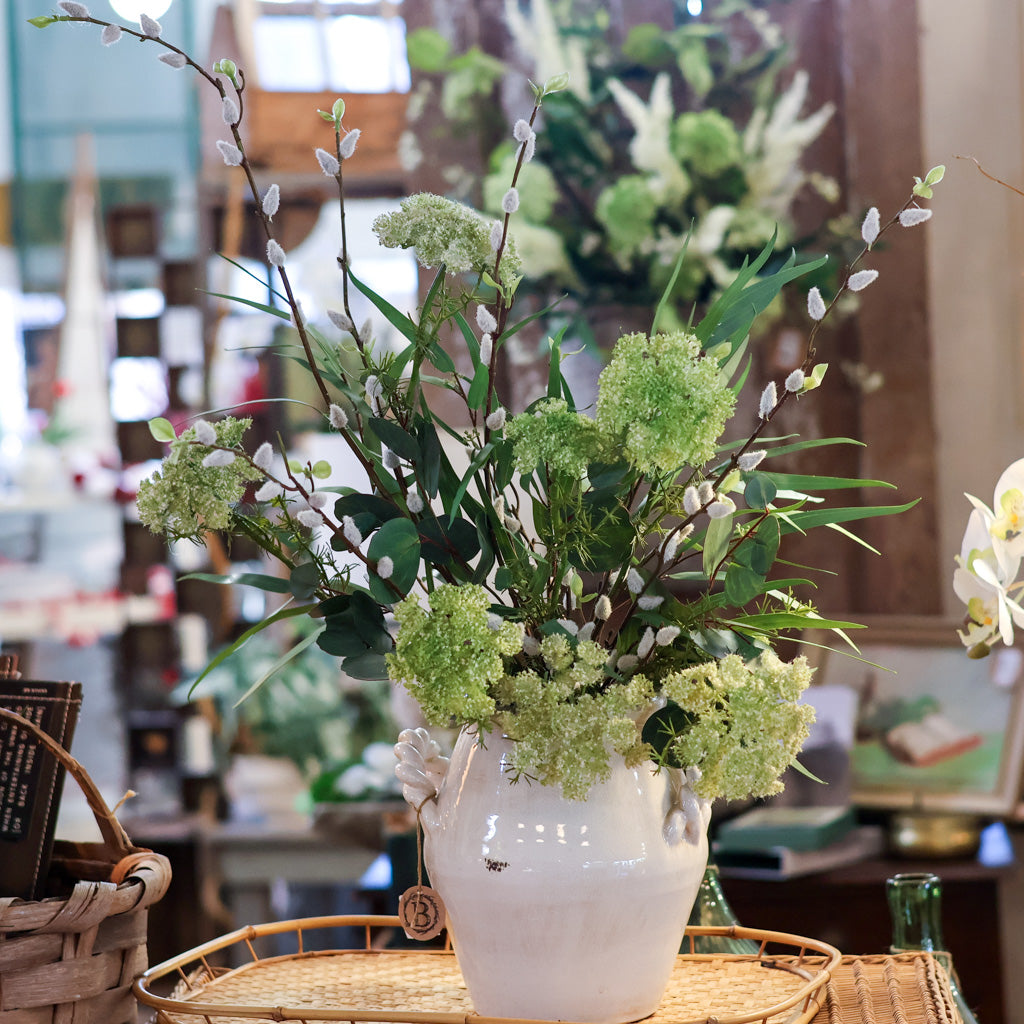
(421, 912)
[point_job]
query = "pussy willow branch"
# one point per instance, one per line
(811, 354)
(343, 260)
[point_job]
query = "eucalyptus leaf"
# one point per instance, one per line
(400, 441)
(304, 580)
(759, 490)
(716, 542)
(399, 540)
(742, 584)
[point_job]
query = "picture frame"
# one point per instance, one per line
(935, 729)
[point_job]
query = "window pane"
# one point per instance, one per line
(367, 54)
(289, 55)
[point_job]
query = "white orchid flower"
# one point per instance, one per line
(982, 580)
(1008, 505)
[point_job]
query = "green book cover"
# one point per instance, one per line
(795, 828)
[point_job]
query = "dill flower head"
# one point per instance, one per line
(190, 494)
(442, 231)
(565, 441)
(663, 401)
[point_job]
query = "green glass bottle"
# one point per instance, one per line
(915, 906)
(711, 909)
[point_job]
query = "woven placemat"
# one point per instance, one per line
(700, 987)
(425, 986)
(908, 988)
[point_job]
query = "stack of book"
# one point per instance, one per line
(784, 842)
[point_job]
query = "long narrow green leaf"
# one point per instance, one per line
(262, 306)
(735, 324)
(478, 460)
(555, 365)
(744, 275)
(390, 313)
(814, 442)
(261, 281)
(808, 519)
(806, 482)
(435, 285)
(288, 612)
(769, 622)
(274, 584)
(520, 324)
(294, 652)
(469, 338)
(663, 301)
(478, 389)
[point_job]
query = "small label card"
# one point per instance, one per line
(421, 912)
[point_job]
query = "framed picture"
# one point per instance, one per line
(935, 730)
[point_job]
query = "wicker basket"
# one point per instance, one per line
(72, 959)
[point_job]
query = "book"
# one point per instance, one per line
(861, 843)
(31, 780)
(931, 740)
(796, 828)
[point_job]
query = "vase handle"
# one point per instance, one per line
(689, 816)
(421, 768)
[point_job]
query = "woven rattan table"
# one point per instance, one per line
(791, 980)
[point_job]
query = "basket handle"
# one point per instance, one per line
(115, 839)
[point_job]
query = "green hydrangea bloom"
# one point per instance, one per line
(564, 440)
(626, 210)
(442, 231)
(663, 401)
(706, 141)
(747, 726)
(752, 227)
(448, 655)
(185, 499)
(567, 742)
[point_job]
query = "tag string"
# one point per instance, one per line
(419, 843)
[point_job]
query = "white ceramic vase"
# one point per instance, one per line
(558, 909)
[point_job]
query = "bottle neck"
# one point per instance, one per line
(711, 906)
(915, 906)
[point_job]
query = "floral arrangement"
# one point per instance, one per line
(988, 566)
(671, 139)
(556, 572)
